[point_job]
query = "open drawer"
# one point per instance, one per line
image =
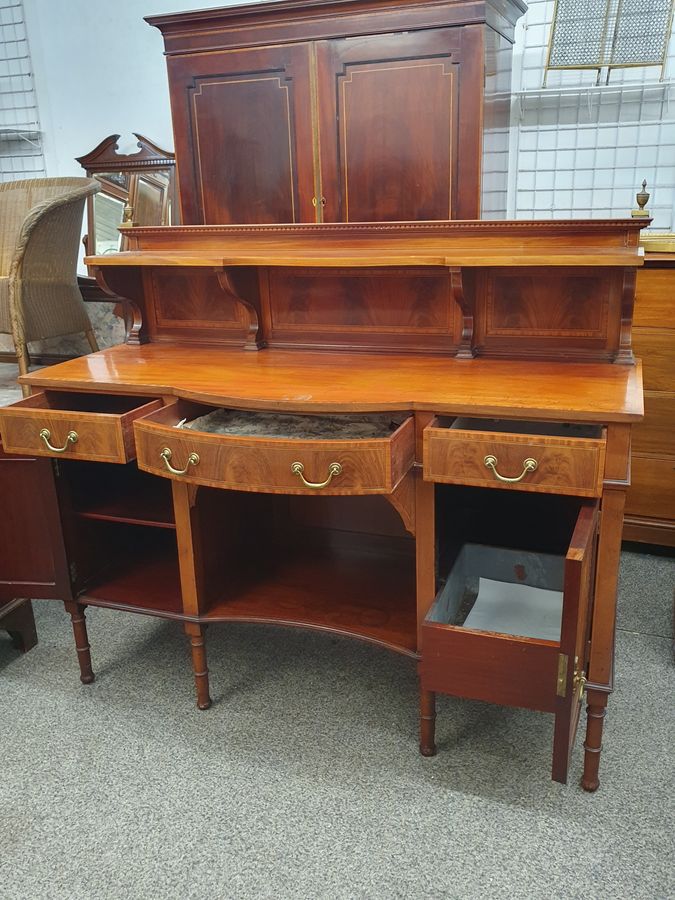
(526, 456)
(273, 453)
(510, 625)
(96, 427)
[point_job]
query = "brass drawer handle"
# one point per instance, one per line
(71, 438)
(334, 469)
(529, 465)
(192, 460)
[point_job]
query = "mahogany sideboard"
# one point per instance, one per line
(409, 392)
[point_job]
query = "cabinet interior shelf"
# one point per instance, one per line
(145, 581)
(121, 494)
(342, 589)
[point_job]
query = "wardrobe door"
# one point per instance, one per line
(400, 125)
(243, 131)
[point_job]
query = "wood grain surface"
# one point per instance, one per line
(564, 465)
(102, 436)
(373, 466)
(297, 381)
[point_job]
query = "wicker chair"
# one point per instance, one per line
(40, 226)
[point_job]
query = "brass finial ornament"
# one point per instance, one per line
(128, 216)
(642, 198)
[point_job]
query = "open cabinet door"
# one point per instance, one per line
(576, 618)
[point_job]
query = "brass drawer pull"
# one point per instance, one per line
(71, 438)
(192, 460)
(529, 465)
(334, 469)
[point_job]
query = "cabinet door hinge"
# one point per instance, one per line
(561, 686)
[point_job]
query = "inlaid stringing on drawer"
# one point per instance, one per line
(272, 465)
(57, 424)
(509, 459)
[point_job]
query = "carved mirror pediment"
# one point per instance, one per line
(136, 189)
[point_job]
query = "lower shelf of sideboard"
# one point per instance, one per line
(342, 590)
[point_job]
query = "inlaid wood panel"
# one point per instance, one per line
(390, 108)
(578, 312)
(373, 466)
(192, 305)
(243, 135)
(102, 425)
(411, 309)
(564, 465)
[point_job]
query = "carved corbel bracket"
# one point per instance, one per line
(464, 299)
(403, 501)
(254, 340)
(125, 285)
(624, 354)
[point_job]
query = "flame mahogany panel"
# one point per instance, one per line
(369, 308)
(537, 312)
(510, 289)
(390, 108)
(190, 304)
(243, 135)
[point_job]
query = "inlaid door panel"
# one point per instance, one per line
(243, 133)
(389, 126)
(512, 317)
(407, 308)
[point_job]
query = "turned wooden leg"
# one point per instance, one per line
(93, 343)
(597, 706)
(20, 625)
(199, 667)
(427, 723)
(77, 617)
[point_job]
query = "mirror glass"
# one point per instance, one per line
(135, 198)
(137, 189)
